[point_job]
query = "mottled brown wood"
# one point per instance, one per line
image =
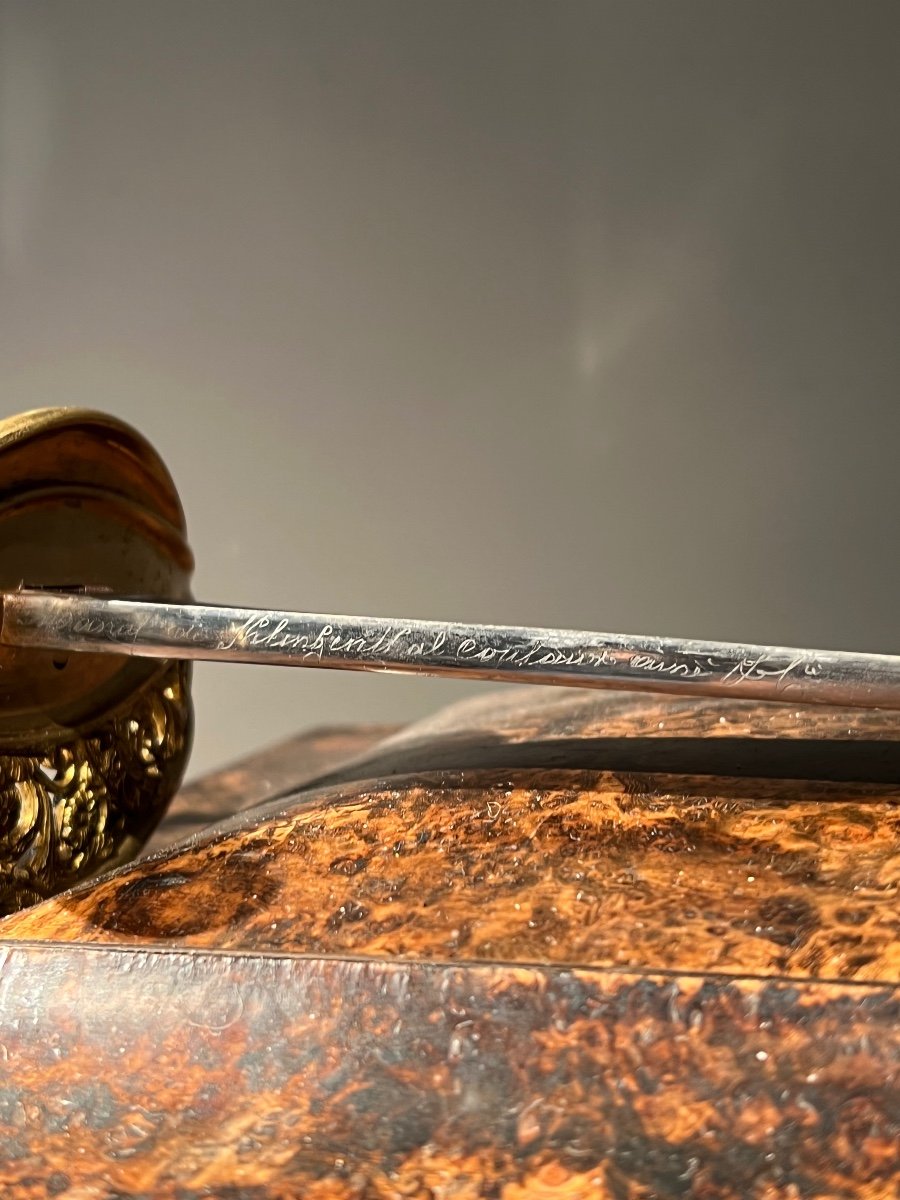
(280, 768)
(558, 727)
(185, 1075)
(568, 867)
(541, 945)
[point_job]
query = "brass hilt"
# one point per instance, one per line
(91, 747)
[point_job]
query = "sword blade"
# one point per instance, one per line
(96, 624)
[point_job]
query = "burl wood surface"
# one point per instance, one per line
(543, 945)
(278, 770)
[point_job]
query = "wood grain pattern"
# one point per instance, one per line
(570, 867)
(279, 769)
(247, 1077)
(530, 948)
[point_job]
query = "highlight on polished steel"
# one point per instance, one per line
(99, 624)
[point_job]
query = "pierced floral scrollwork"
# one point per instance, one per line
(91, 802)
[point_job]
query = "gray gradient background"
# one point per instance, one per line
(557, 313)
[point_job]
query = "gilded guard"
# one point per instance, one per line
(91, 750)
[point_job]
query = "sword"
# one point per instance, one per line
(96, 620)
(77, 623)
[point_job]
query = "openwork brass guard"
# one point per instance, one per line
(91, 749)
(91, 801)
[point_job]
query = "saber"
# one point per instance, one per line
(97, 624)
(97, 620)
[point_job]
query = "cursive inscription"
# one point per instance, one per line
(393, 643)
(663, 666)
(536, 655)
(761, 668)
(275, 634)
